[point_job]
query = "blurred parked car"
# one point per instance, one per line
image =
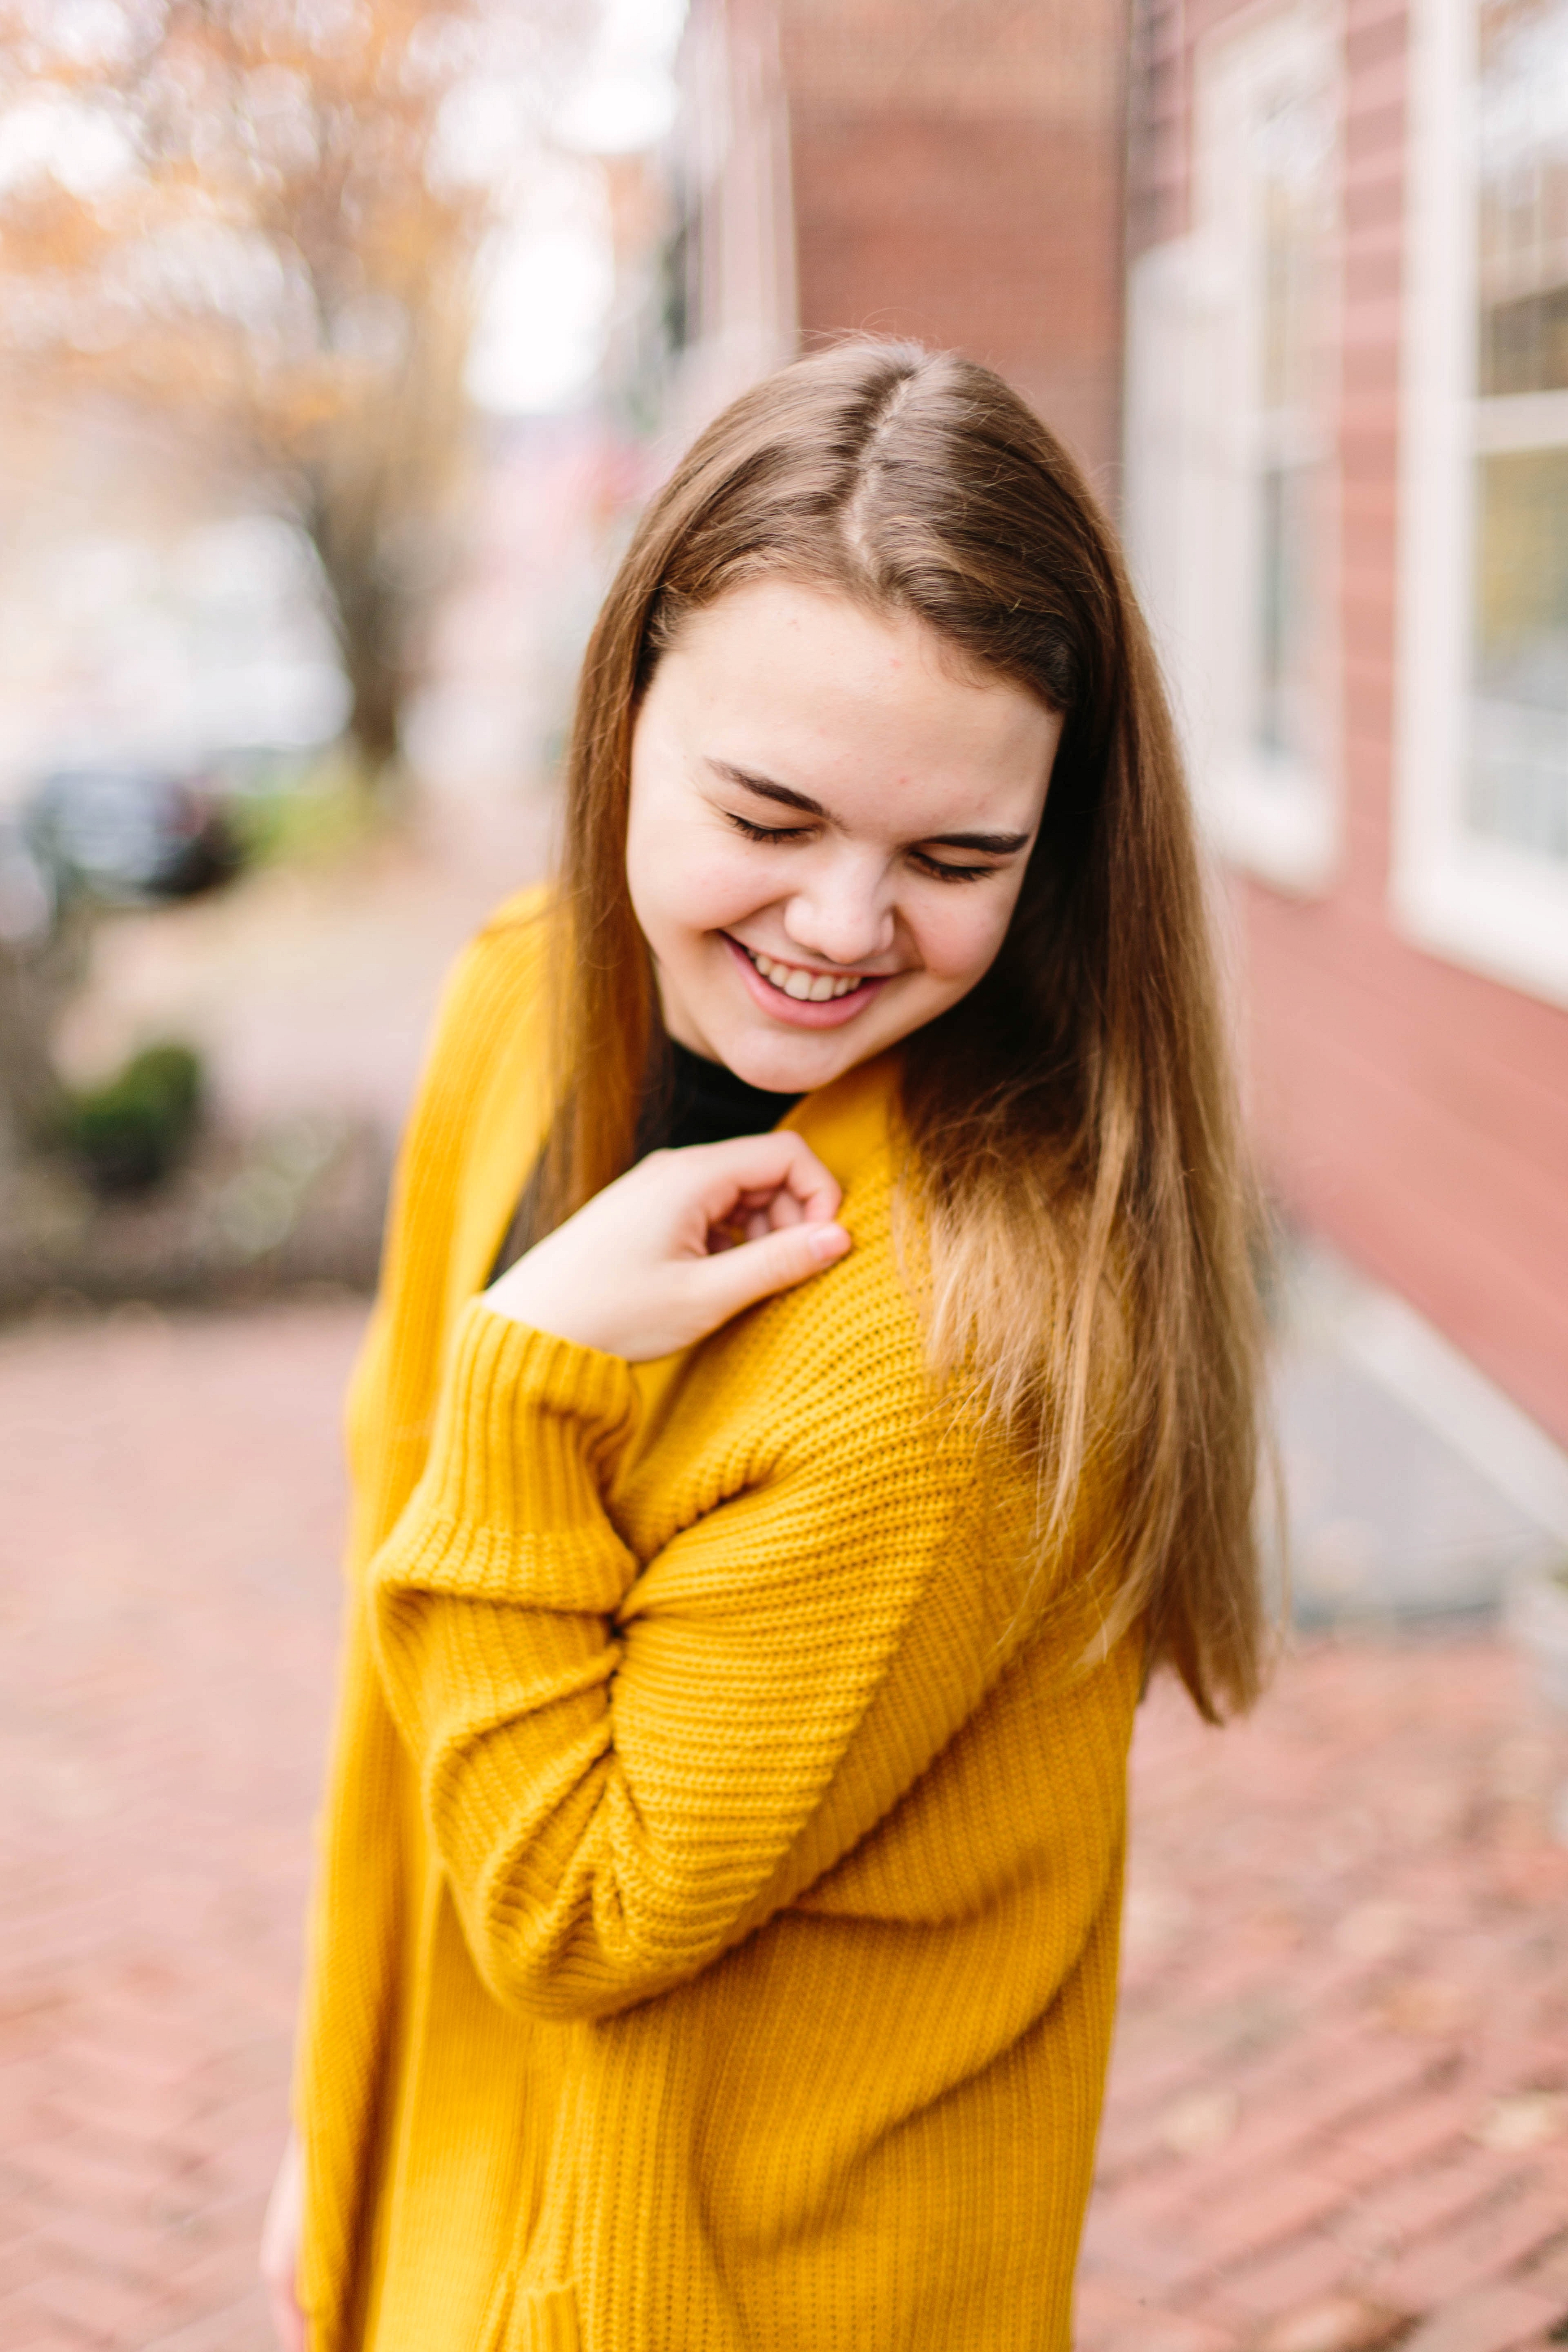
(129, 835)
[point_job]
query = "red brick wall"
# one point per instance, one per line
(957, 176)
(1414, 1113)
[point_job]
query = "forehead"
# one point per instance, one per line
(872, 714)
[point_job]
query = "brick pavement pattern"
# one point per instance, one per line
(173, 1504)
(1339, 2106)
(1339, 2109)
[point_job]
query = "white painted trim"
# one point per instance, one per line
(1524, 420)
(1480, 903)
(1170, 320)
(1190, 435)
(1444, 1389)
(1473, 900)
(1280, 824)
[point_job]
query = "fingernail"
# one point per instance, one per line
(829, 1241)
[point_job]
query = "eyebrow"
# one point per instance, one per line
(992, 844)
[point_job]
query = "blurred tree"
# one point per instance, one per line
(264, 222)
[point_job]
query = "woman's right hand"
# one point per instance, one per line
(280, 2250)
(678, 1245)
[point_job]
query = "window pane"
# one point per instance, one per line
(1523, 154)
(1292, 156)
(1286, 709)
(1518, 743)
(1292, 153)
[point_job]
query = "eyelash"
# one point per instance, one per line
(932, 865)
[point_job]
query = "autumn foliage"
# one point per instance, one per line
(264, 222)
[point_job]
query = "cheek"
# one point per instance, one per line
(686, 879)
(960, 943)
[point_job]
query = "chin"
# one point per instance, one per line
(795, 1066)
(779, 1068)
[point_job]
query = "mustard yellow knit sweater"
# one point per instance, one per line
(715, 1941)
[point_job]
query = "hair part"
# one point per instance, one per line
(1074, 1177)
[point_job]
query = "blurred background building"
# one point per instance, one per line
(948, 173)
(1349, 490)
(1347, 498)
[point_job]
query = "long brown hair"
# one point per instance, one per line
(1074, 1163)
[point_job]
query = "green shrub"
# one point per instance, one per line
(308, 815)
(128, 1135)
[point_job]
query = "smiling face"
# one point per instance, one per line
(830, 818)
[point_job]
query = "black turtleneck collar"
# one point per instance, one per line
(698, 1102)
(703, 1102)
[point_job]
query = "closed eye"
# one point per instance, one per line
(935, 866)
(767, 832)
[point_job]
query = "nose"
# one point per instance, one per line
(843, 914)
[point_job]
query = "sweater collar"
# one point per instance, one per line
(846, 1122)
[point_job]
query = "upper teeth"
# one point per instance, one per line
(814, 987)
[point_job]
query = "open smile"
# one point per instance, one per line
(805, 999)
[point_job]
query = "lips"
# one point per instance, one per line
(808, 1011)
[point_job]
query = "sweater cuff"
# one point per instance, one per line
(528, 1433)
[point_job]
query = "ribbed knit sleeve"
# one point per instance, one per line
(509, 1504)
(614, 1778)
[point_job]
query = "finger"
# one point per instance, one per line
(759, 1269)
(757, 1222)
(287, 2319)
(765, 1164)
(761, 1214)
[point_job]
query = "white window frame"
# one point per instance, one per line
(1472, 898)
(1191, 514)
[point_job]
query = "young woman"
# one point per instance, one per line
(753, 1582)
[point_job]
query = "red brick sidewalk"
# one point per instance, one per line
(1340, 2110)
(172, 1510)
